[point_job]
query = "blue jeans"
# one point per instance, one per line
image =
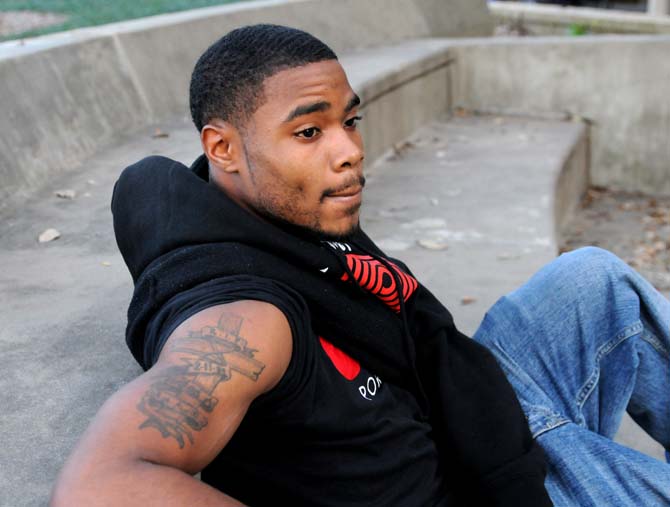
(585, 339)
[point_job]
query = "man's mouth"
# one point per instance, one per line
(351, 189)
(348, 192)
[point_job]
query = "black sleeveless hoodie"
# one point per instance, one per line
(173, 229)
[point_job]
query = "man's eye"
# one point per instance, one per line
(308, 133)
(352, 122)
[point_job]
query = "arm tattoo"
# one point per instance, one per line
(179, 400)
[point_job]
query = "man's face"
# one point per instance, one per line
(303, 151)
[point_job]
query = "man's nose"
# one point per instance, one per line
(347, 150)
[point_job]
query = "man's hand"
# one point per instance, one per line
(170, 422)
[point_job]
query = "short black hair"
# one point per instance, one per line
(227, 81)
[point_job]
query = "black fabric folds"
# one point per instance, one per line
(177, 231)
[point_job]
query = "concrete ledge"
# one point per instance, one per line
(555, 20)
(59, 107)
(401, 88)
(571, 181)
(487, 186)
(66, 96)
(618, 84)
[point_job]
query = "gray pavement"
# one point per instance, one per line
(466, 203)
(63, 315)
(634, 226)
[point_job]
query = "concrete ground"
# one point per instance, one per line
(634, 226)
(466, 203)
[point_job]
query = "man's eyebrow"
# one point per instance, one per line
(355, 101)
(318, 107)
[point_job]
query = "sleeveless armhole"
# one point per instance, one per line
(228, 290)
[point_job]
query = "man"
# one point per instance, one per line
(291, 362)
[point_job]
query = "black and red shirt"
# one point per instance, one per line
(331, 433)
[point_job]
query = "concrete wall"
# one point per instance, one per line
(555, 20)
(619, 84)
(658, 7)
(401, 88)
(68, 95)
(65, 96)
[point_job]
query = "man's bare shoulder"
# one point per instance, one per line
(246, 339)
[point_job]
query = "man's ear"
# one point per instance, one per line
(221, 143)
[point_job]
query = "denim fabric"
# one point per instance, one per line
(585, 339)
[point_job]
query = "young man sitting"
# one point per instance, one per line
(291, 362)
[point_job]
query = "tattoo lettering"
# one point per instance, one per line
(179, 401)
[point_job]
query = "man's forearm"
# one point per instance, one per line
(137, 483)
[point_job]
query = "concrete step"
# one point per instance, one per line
(486, 188)
(67, 95)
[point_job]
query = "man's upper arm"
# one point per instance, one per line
(183, 411)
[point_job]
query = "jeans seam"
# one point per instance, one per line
(550, 426)
(603, 350)
(550, 419)
(652, 340)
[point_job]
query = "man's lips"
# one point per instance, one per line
(351, 189)
(348, 192)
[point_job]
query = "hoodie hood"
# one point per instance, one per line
(160, 205)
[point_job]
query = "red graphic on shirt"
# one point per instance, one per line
(349, 368)
(375, 277)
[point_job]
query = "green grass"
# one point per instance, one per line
(98, 12)
(577, 29)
